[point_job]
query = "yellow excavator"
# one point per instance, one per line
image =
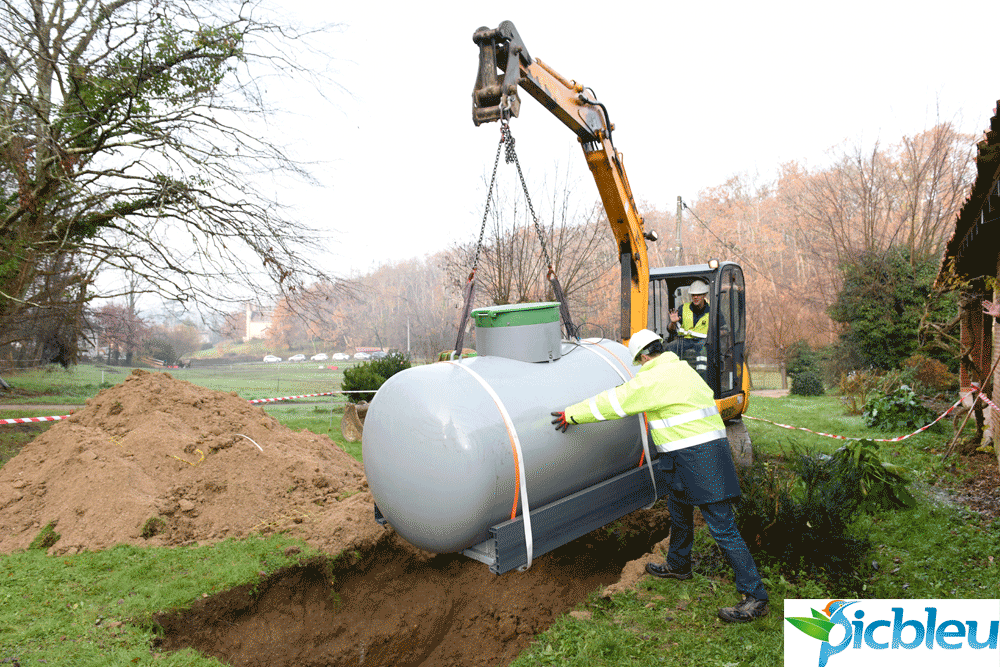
(648, 295)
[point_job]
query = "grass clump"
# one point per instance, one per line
(47, 537)
(154, 525)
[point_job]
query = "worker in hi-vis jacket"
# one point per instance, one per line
(693, 458)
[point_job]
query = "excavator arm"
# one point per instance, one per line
(505, 65)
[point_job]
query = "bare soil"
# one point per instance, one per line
(160, 461)
(977, 483)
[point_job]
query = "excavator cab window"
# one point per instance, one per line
(731, 306)
(666, 295)
(719, 358)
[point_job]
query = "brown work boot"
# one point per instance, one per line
(664, 572)
(750, 609)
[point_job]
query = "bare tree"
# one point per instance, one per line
(121, 331)
(130, 140)
(512, 266)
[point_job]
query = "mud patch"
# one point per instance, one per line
(395, 605)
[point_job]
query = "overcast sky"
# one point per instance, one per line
(698, 92)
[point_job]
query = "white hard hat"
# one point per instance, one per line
(698, 287)
(639, 340)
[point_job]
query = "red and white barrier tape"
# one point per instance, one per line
(988, 402)
(28, 420)
(844, 437)
(285, 398)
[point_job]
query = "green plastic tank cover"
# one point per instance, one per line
(517, 314)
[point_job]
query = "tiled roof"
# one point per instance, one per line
(974, 245)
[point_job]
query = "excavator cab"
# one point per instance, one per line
(720, 358)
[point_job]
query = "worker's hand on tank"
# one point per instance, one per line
(560, 421)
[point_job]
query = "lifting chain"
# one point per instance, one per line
(510, 156)
(571, 330)
(470, 284)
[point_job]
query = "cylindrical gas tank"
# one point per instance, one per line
(438, 440)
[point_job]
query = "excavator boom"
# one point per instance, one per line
(505, 66)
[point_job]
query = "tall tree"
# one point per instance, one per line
(130, 141)
(881, 304)
(121, 331)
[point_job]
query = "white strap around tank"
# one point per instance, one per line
(519, 456)
(617, 407)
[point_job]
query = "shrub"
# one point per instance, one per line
(896, 410)
(881, 485)
(931, 374)
(801, 518)
(807, 383)
(854, 389)
(800, 358)
(368, 376)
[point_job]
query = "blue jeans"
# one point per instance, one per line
(722, 525)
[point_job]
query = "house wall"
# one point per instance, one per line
(976, 336)
(257, 323)
(993, 420)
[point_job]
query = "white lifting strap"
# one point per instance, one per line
(643, 431)
(519, 456)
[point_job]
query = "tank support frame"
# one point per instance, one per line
(563, 520)
(566, 519)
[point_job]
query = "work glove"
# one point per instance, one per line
(560, 421)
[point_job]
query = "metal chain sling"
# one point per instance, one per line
(571, 329)
(470, 284)
(510, 155)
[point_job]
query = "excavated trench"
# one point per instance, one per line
(398, 606)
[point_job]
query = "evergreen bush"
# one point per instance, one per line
(800, 358)
(896, 410)
(368, 376)
(802, 519)
(807, 383)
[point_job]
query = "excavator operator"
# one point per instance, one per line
(690, 321)
(688, 328)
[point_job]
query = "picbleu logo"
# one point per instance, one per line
(870, 627)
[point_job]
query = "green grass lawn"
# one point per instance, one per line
(94, 608)
(56, 385)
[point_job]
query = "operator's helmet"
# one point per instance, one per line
(698, 287)
(639, 340)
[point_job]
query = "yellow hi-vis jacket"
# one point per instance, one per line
(687, 430)
(679, 405)
(687, 327)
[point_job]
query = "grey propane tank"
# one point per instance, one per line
(438, 447)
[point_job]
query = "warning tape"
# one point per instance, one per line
(28, 420)
(844, 437)
(286, 398)
(988, 402)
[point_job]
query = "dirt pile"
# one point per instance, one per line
(160, 461)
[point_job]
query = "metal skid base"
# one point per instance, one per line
(564, 520)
